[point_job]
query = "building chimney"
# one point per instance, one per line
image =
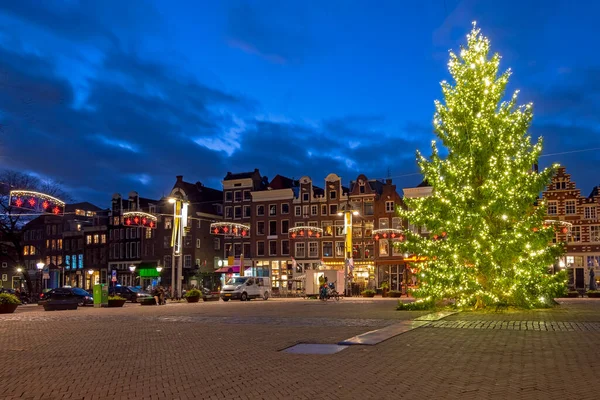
(179, 178)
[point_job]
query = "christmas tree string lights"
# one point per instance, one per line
(483, 205)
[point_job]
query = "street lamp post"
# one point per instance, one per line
(348, 231)
(132, 269)
(19, 271)
(40, 266)
(180, 209)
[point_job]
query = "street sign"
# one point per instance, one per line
(114, 275)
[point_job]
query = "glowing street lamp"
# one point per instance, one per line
(40, 267)
(348, 213)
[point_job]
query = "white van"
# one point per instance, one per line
(246, 288)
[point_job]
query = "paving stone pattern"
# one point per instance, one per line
(518, 325)
(213, 351)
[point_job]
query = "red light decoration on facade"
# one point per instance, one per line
(139, 218)
(216, 231)
(244, 232)
(435, 237)
(235, 230)
(225, 229)
(384, 235)
(230, 229)
(565, 230)
(56, 210)
(36, 202)
(305, 232)
(444, 234)
(376, 237)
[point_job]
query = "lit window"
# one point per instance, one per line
(570, 208)
(552, 208)
(590, 212)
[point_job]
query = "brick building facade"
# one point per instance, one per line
(564, 202)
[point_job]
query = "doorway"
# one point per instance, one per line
(579, 278)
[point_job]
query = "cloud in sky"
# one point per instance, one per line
(92, 97)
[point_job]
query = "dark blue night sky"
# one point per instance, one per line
(113, 96)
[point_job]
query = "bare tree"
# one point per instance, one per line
(13, 219)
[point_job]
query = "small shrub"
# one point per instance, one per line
(7, 298)
(368, 293)
(385, 286)
(116, 297)
(418, 305)
(394, 293)
(592, 292)
(193, 293)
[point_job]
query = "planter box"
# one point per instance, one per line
(194, 299)
(369, 295)
(573, 294)
(8, 308)
(60, 304)
(116, 303)
(593, 295)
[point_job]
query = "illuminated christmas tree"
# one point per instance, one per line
(487, 242)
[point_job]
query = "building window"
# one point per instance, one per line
(333, 209)
(314, 209)
(247, 195)
(595, 233)
(327, 227)
(590, 212)
(167, 261)
(332, 194)
(369, 208)
(272, 247)
(384, 223)
(327, 249)
(187, 240)
(197, 243)
(88, 240)
(260, 211)
(228, 249)
(167, 242)
(272, 210)
(260, 248)
(313, 249)
(237, 212)
(389, 206)
(396, 223)
(187, 261)
(298, 211)
(339, 229)
(247, 212)
(300, 250)
(285, 208)
(305, 196)
(228, 196)
(552, 209)
(575, 234)
(237, 196)
(260, 228)
(285, 226)
(384, 248)
(237, 249)
(272, 228)
(305, 210)
(246, 249)
(148, 233)
(357, 231)
(228, 212)
(361, 188)
(339, 249)
(216, 243)
(96, 239)
(168, 223)
(323, 209)
(570, 208)
(285, 247)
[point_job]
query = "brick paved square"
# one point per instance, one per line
(232, 351)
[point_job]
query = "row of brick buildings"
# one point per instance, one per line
(91, 245)
(580, 226)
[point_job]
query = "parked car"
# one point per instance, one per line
(83, 298)
(246, 288)
(131, 293)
